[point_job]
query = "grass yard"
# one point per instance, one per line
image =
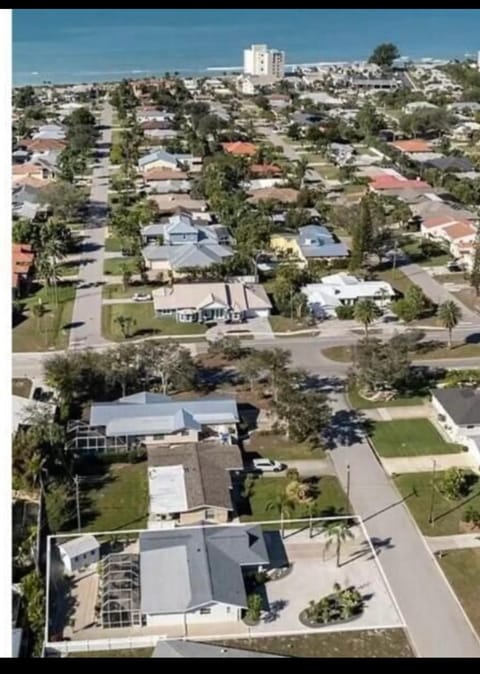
(396, 278)
(21, 387)
(118, 500)
(145, 322)
(115, 265)
(355, 644)
(360, 403)
(414, 251)
(328, 171)
(68, 269)
(469, 298)
(330, 497)
(462, 568)
(286, 324)
(340, 354)
(410, 437)
(116, 291)
(273, 446)
(344, 354)
(51, 330)
(416, 489)
(132, 653)
(113, 245)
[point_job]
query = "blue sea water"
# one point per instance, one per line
(84, 45)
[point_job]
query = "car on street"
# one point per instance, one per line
(454, 266)
(142, 297)
(268, 466)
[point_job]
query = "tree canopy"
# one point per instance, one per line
(384, 55)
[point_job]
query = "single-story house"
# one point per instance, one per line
(195, 575)
(265, 170)
(153, 419)
(160, 179)
(163, 159)
(177, 258)
(78, 553)
(418, 105)
(50, 131)
(43, 145)
(24, 410)
(284, 195)
(452, 164)
(23, 259)
(146, 115)
(26, 201)
(312, 242)
(343, 289)
(458, 411)
(170, 203)
(192, 483)
(389, 182)
(433, 206)
(370, 83)
(412, 146)
(458, 234)
(240, 148)
(204, 302)
(32, 169)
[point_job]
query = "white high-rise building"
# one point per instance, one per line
(259, 60)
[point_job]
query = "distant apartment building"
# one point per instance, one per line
(259, 60)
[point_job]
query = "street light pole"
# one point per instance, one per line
(348, 482)
(77, 499)
(431, 519)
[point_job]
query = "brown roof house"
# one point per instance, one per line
(284, 195)
(192, 482)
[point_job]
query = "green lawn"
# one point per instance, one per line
(265, 489)
(21, 387)
(119, 501)
(410, 437)
(462, 568)
(274, 446)
(116, 291)
(115, 265)
(133, 653)
(361, 403)
(286, 324)
(145, 322)
(341, 354)
(413, 250)
(68, 269)
(47, 332)
(396, 278)
(113, 245)
(355, 644)
(416, 488)
(328, 171)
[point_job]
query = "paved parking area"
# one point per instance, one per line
(313, 576)
(85, 592)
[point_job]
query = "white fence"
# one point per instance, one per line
(118, 644)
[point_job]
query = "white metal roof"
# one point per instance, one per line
(166, 485)
(79, 546)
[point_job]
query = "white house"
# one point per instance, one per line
(193, 576)
(78, 553)
(458, 412)
(342, 289)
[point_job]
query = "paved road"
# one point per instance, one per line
(87, 310)
(437, 292)
(436, 623)
(275, 139)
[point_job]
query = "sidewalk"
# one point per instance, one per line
(424, 464)
(400, 412)
(458, 542)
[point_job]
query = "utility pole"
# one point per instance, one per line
(348, 483)
(431, 518)
(76, 480)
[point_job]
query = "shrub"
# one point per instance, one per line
(472, 516)
(454, 483)
(344, 312)
(254, 607)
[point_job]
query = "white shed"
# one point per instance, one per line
(80, 552)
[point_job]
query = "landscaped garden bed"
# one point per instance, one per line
(341, 606)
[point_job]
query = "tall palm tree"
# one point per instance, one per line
(338, 532)
(449, 314)
(38, 311)
(365, 312)
(283, 506)
(299, 170)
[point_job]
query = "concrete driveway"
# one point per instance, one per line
(313, 576)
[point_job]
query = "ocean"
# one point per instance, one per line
(84, 45)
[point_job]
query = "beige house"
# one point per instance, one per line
(204, 302)
(191, 483)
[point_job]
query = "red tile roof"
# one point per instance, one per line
(22, 260)
(413, 145)
(389, 182)
(43, 144)
(459, 230)
(240, 148)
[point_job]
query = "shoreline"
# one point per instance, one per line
(38, 79)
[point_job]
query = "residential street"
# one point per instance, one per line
(437, 625)
(87, 311)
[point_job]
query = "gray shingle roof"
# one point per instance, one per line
(189, 254)
(125, 417)
(461, 404)
(161, 155)
(173, 648)
(182, 569)
(451, 164)
(206, 466)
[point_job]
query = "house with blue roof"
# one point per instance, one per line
(152, 419)
(312, 242)
(164, 160)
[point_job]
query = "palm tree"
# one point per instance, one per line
(126, 277)
(299, 170)
(365, 312)
(282, 504)
(337, 531)
(38, 311)
(449, 314)
(125, 323)
(311, 510)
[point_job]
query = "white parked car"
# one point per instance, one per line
(268, 465)
(142, 297)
